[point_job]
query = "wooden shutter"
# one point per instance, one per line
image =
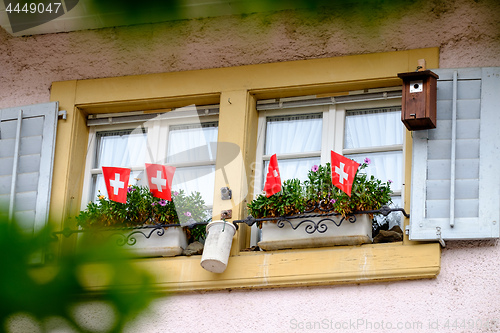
(455, 175)
(27, 143)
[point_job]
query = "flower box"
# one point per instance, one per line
(146, 242)
(316, 232)
(139, 224)
(318, 197)
(165, 242)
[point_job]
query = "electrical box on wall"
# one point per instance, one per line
(419, 100)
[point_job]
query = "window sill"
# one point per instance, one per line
(291, 268)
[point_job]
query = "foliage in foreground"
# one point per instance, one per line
(43, 292)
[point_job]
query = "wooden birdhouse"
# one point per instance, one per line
(419, 100)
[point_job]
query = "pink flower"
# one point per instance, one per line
(333, 201)
(154, 204)
(367, 161)
(314, 168)
(162, 202)
(389, 181)
(176, 193)
(187, 213)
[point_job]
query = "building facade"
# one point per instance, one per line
(234, 62)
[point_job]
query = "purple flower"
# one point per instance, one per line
(187, 213)
(389, 181)
(154, 204)
(162, 202)
(333, 201)
(130, 189)
(314, 168)
(176, 193)
(367, 161)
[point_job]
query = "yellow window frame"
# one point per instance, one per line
(236, 90)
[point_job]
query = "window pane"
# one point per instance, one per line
(293, 134)
(293, 168)
(126, 148)
(384, 166)
(192, 143)
(373, 127)
(196, 179)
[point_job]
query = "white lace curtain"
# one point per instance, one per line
(194, 143)
(377, 128)
(187, 144)
(125, 148)
(363, 129)
(294, 135)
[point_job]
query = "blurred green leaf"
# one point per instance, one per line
(56, 289)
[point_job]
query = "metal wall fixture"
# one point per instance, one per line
(226, 193)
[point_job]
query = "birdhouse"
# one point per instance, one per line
(419, 100)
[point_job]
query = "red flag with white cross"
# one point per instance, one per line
(160, 180)
(343, 172)
(116, 180)
(273, 178)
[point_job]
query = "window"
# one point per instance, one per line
(296, 139)
(377, 134)
(187, 143)
(192, 149)
(237, 89)
(303, 136)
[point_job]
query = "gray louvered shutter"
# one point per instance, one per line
(27, 143)
(455, 171)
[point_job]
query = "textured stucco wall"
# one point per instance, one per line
(463, 298)
(466, 31)
(468, 34)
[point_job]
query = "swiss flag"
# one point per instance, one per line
(343, 172)
(116, 180)
(273, 179)
(160, 180)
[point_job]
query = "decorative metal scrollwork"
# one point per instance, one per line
(125, 235)
(327, 215)
(312, 226)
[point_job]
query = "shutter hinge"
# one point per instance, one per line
(439, 238)
(63, 114)
(407, 230)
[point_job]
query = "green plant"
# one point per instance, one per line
(142, 208)
(49, 296)
(289, 201)
(368, 193)
(318, 186)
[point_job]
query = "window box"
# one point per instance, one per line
(315, 213)
(316, 232)
(147, 241)
(148, 226)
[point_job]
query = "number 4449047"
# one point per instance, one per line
(33, 7)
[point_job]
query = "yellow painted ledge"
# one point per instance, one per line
(367, 263)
